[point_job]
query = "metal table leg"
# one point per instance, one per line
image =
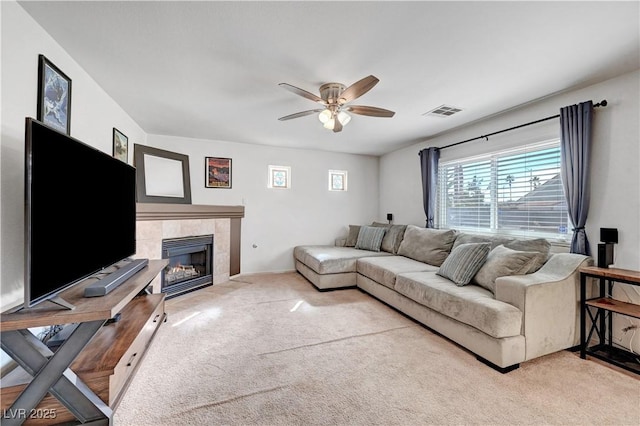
(583, 296)
(53, 375)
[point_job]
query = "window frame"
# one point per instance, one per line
(332, 186)
(494, 194)
(272, 182)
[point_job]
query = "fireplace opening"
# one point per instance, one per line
(190, 264)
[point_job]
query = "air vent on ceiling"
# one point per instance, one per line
(443, 111)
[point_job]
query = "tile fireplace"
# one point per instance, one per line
(156, 222)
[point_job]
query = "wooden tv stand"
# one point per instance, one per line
(93, 367)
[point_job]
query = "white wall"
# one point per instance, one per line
(93, 116)
(276, 220)
(615, 175)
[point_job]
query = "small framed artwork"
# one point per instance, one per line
(280, 177)
(54, 96)
(120, 145)
(218, 172)
(337, 180)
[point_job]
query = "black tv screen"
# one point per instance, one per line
(80, 211)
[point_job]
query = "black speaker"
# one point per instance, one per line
(389, 217)
(609, 235)
(605, 255)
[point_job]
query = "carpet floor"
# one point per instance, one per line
(269, 349)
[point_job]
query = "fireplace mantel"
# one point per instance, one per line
(157, 211)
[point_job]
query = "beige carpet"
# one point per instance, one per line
(270, 349)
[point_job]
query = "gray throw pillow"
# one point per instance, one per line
(370, 238)
(427, 245)
(495, 240)
(539, 245)
(502, 262)
(352, 238)
(398, 232)
(392, 238)
(463, 262)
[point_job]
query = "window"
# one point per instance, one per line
(279, 177)
(508, 192)
(337, 180)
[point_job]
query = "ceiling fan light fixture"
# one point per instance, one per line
(330, 124)
(344, 118)
(325, 116)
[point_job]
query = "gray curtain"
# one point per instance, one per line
(575, 142)
(429, 165)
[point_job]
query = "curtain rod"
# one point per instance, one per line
(602, 103)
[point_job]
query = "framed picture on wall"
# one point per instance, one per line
(120, 145)
(218, 172)
(54, 96)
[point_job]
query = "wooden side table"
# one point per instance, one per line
(602, 322)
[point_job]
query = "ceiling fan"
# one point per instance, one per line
(335, 97)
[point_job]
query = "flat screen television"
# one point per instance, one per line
(80, 211)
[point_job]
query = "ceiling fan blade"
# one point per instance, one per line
(300, 114)
(358, 89)
(369, 110)
(303, 93)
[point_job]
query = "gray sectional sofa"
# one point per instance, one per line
(506, 300)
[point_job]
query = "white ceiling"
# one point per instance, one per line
(210, 70)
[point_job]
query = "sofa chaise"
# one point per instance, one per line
(506, 300)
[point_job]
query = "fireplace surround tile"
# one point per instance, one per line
(221, 264)
(151, 233)
(148, 231)
(158, 221)
(223, 226)
(223, 240)
(197, 226)
(170, 229)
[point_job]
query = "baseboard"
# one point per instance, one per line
(248, 274)
(575, 348)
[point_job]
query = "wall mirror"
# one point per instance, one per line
(161, 176)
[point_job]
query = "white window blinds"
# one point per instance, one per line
(509, 192)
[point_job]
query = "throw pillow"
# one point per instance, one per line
(370, 238)
(427, 245)
(392, 238)
(398, 231)
(352, 238)
(502, 262)
(466, 238)
(539, 245)
(463, 262)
